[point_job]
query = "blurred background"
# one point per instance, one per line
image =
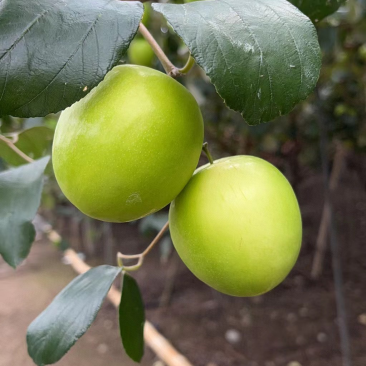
(317, 317)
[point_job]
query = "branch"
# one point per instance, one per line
(15, 149)
(169, 68)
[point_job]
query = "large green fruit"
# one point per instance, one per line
(237, 226)
(129, 147)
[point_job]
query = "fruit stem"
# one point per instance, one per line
(207, 152)
(142, 255)
(169, 68)
(15, 149)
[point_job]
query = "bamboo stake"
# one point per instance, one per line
(321, 241)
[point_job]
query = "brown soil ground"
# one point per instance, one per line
(294, 325)
(297, 322)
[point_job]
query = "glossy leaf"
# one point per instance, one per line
(263, 56)
(317, 10)
(20, 195)
(52, 53)
(34, 142)
(69, 316)
(132, 319)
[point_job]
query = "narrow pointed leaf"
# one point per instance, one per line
(20, 195)
(262, 56)
(69, 316)
(317, 10)
(52, 53)
(132, 319)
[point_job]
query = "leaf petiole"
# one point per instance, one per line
(142, 255)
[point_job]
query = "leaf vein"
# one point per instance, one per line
(25, 31)
(63, 66)
(294, 41)
(227, 64)
(262, 59)
(6, 79)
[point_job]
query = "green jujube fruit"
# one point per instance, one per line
(237, 226)
(141, 53)
(130, 146)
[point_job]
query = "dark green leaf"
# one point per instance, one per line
(263, 56)
(316, 10)
(132, 319)
(69, 316)
(20, 195)
(34, 142)
(52, 53)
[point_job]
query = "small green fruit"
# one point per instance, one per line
(237, 226)
(130, 146)
(140, 53)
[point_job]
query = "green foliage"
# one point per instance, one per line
(70, 315)
(53, 53)
(20, 194)
(132, 319)
(262, 56)
(261, 66)
(342, 37)
(316, 10)
(34, 142)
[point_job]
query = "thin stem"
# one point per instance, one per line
(119, 261)
(156, 240)
(207, 152)
(167, 64)
(135, 267)
(142, 255)
(188, 66)
(15, 149)
(169, 68)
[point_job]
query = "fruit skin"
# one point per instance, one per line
(237, 226)
(130, 146)
(141, 53)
